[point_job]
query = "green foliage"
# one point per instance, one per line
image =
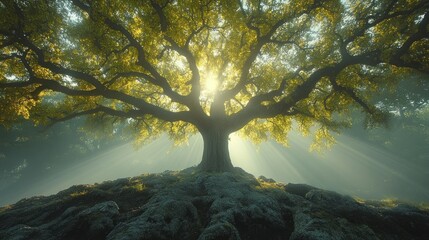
(148, 64)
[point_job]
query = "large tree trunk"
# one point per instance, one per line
(216, 153)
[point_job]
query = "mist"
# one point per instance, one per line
(36, 162)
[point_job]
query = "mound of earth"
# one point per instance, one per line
(196, 205)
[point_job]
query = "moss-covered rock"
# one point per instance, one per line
(190, 204)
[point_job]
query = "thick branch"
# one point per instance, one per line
(135, 114)
(255, 51)
(129, 74)
(350, 92)
(158, 79)
(286, 105)
(257, 100)
(47, 84)
(56, 68)
(185, 52)
(99, 88)
(384, 15)
(190, 58)
(422, 33)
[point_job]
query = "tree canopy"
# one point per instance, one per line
(213, 67)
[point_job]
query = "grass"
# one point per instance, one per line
(392, 203)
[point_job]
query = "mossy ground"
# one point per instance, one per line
(190, 204)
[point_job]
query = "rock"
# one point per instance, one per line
(220, 231)
(169, 219)
(340, 205)
(298, 189)
(197, 205)
(265, 179)
(329, 198)
(410, 219)
(90, 223)
(23, 232)
(310, 226)
(109, 209)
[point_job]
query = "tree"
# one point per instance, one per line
(214, 67)
(27, 158)
(407, 135)
(406, 98)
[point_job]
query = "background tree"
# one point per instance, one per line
(27, 156)
(407, 132)
(408, 97)
(213, 67)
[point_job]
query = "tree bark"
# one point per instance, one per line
(216, 153)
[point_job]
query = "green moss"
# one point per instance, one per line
(78, 194)
(265, 183)
(393, 203)
(138, 187)
(5, 208)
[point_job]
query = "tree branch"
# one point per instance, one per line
(350, 92)
(422, 33)
(99, 109)
(56, 68)
(255, 51)
(101, 90)
(184, 51)
(287, 103)
(142, 61)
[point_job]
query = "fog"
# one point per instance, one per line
(356, 166)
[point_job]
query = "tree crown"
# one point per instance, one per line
(183, 66)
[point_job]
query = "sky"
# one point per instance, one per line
(350, 167)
